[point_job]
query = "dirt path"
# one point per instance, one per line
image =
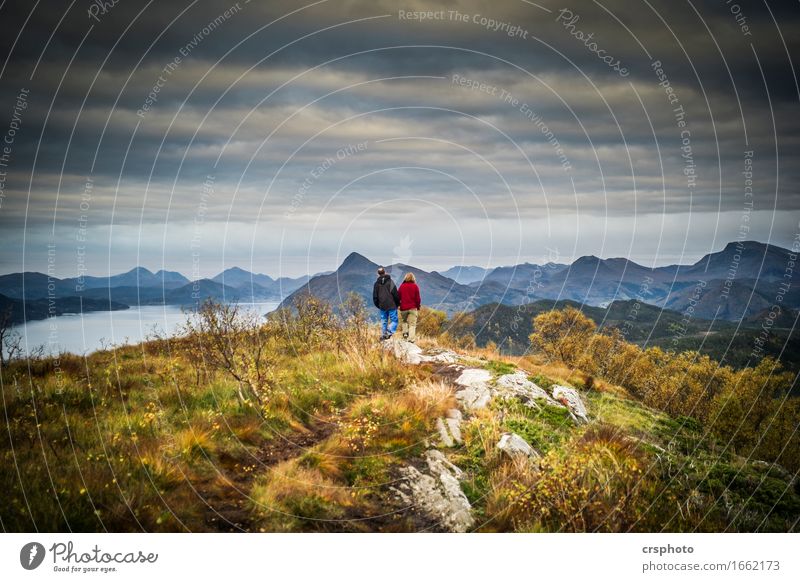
(227, 495)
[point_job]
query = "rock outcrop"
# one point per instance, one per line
(516, 447)
(441, 357)
(517, 384)
(570, 398)
(404, 351)
(435, 492)
(449, 428)
(411, 353)
(475, 391)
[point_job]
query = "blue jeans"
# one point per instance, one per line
(388, 321)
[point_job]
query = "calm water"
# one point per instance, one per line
(82, 334)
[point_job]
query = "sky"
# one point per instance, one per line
(281, 136)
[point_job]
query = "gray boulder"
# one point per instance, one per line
(475, 391)
(441, 357)
(516, 447)
(570, 398)
(517, 384)
(405, 351)
(449, 428)
(435, 492)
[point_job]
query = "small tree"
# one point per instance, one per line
(10, 339)
(227, 338)
(562, 334)
(355, 322)
(306, 325)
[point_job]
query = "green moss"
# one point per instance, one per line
(683, 435)
(555, 416)
(544, 426)
(500, 368)
(475, 487)
(371, 471)
(623, 412)
(539, 436)
(542, 381)
(472, 460)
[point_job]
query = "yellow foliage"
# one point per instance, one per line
(562, 334)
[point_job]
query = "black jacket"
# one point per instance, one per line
(384, 293)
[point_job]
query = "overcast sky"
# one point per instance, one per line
(281, 136)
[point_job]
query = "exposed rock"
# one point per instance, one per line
(441, 357)
(475, 392)
(405, 351)
(450, 428)
(438, 463)
(519, 385)
(474, 377)
(453, 422)
(515, 446)
(435, 492)
(570, 398)
(444, 434)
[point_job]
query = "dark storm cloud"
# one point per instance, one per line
(146, 101)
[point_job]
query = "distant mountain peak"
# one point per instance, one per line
(355, 261)
(587, 260)
(746, 244)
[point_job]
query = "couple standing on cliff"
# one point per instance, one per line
(388, 298)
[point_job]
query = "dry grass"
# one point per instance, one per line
(292, 497)
(434, 392)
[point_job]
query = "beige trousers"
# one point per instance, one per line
(408, 324)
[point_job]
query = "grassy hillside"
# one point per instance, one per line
(305, 424)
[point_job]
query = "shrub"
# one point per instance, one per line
(748, 408)
(308, 325)
(227, 338)
(430, 322)
(596, 486)
(752, 411)
(562, 334)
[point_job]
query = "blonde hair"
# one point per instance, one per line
(410, 278)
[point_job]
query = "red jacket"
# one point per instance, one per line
(409, 296)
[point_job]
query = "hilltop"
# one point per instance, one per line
(308, 423)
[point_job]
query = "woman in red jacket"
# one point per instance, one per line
(409, 307)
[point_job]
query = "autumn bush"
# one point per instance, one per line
(229, 338)
(458, 331)
(756, 414)
(595, 484)
(308, 324)
(562, 334)
(750, 409)
(431, 322)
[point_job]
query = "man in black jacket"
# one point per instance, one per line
(385, 298)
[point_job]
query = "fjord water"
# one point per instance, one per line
(85, 333)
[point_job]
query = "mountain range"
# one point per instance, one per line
(31, 295)
(737, 283)
(741, 282)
